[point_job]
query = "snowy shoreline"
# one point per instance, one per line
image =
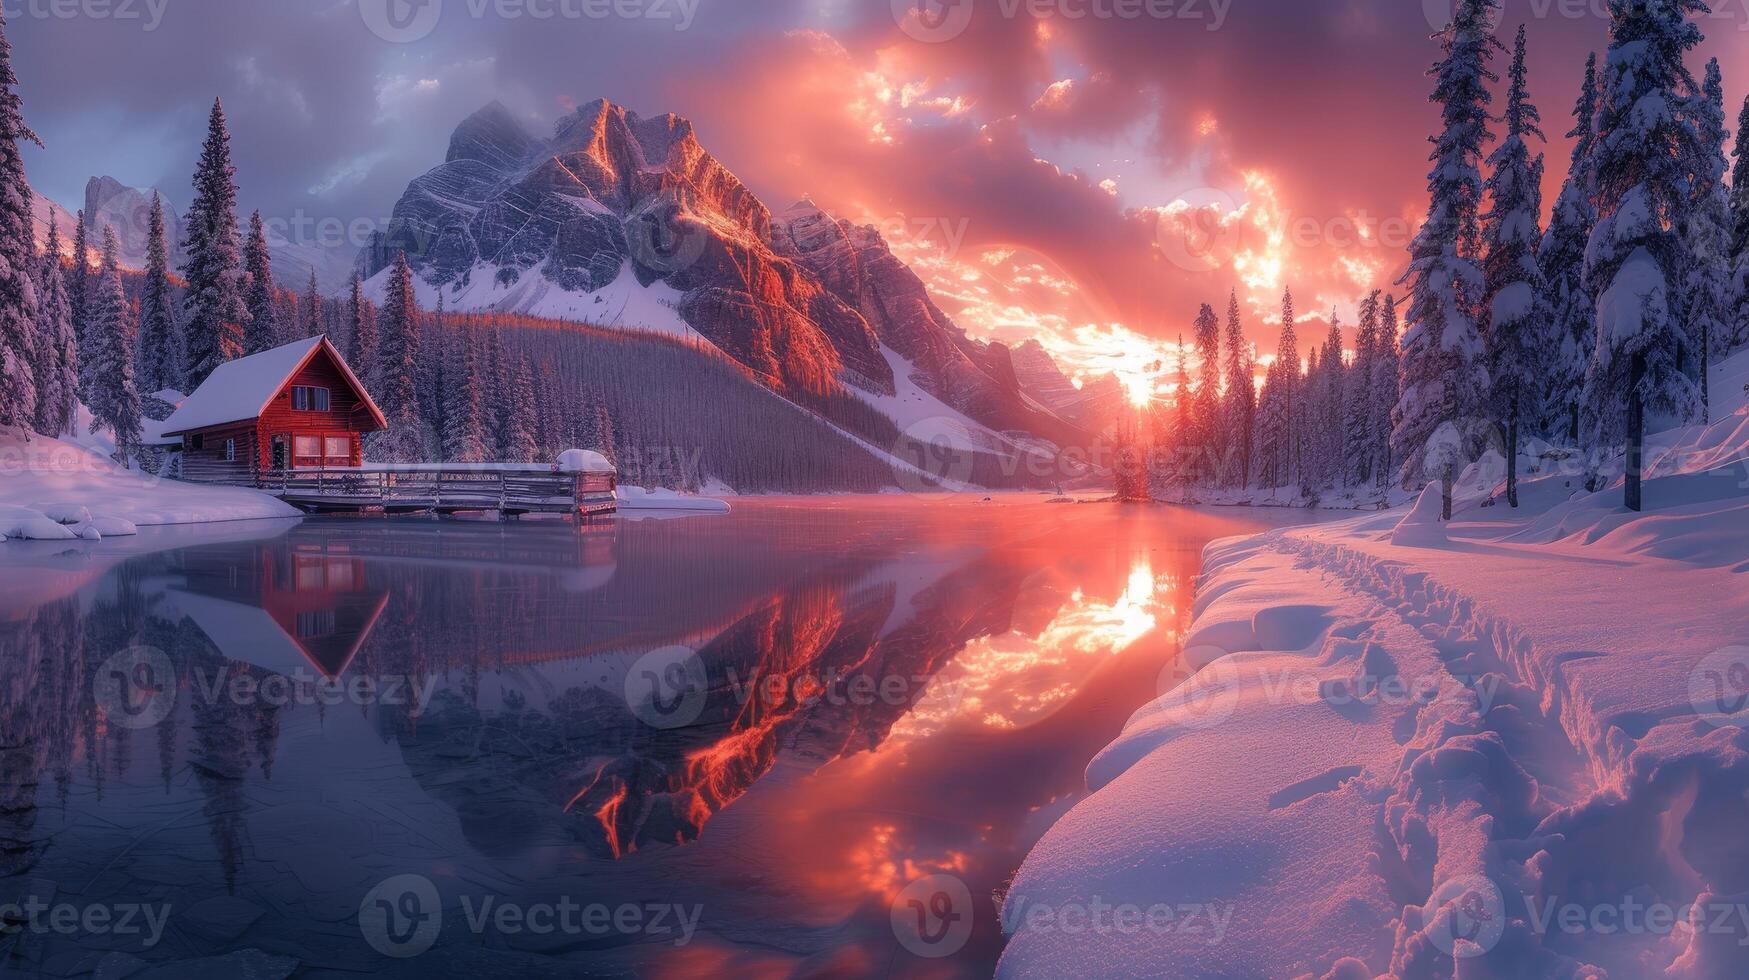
(1512, 745)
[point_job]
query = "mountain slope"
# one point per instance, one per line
(621, 220)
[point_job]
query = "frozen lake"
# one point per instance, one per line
(776, 742)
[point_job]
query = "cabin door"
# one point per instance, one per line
(281, 459)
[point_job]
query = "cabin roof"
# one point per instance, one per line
(242, 389)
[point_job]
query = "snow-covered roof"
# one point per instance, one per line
(584, 461)
(242, 389)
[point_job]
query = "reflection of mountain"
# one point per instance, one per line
(818, 671)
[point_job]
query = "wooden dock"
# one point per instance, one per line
(511, 490)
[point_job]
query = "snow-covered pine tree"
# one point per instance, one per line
(1707, 237)
(19, 315)
(1647, 146)
(215, 314)
(57, 359)
(464, 433)
(311, 323)
(1357, 457)
(263, 330)
(1386, 390)
(361, 347)
(160, 339)
(1571, 336)
(79, 286)
(497, 388)
(1515, 313)
(552, 426)
(1333, 444)
(1241, 403)
(1739, 289)
(435, 368)
(1444, 379)
(115, 402)
(1276, 416)
(398, 339)
(1207, 398)
(600, 432)
(522, 447)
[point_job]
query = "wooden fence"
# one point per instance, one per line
(441, 488)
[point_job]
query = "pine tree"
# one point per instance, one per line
(1444, 380)
(1647, 147)
(1514, 296)
(464, 433)
(1277, 421)
(311, 325)
(19, 314)
(599, 435)
(1707, 237)
(57, 358)
(1738, 294)
(398, 366)
(1241, 407)
(263, 332)
(520, 446)
(1334, 443)
(79, 289)
(1206, 400)
(361, 326)
(497, 388)
(160, 339)
(1358, 457)
(115, 402)
(215, 314)
(1386, 390)
(1571, 335)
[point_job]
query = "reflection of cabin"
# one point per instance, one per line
(297, 407)
(279, 611)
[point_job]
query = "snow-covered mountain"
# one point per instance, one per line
(111, 204)
(1094, 406)
(41, 209)
(625, 221)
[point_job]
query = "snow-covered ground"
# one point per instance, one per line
(55, 490)
(624, 303)
(1511, 746)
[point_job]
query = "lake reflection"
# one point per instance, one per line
(760, 729)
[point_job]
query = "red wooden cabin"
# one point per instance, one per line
(297, 407)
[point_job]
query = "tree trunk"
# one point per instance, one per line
(1512, 457)
(1445, 479)
(1636, 433)
(1573, 424)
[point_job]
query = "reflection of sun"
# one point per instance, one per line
(1007, 681)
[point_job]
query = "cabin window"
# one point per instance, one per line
(306, 451)
(197, 442)
(315, 625)
(307, 399)
(338, 450)
(230, 450)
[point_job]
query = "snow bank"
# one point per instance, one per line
(1510, 746)
(637, 498)
(584, 461)
(48, 483)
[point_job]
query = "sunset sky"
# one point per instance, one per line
(1025, 156)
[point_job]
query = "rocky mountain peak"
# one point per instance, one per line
(492, 136)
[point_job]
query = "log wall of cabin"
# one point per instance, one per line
(347, 415)
(208, 463)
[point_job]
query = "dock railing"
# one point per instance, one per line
(509, 488)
